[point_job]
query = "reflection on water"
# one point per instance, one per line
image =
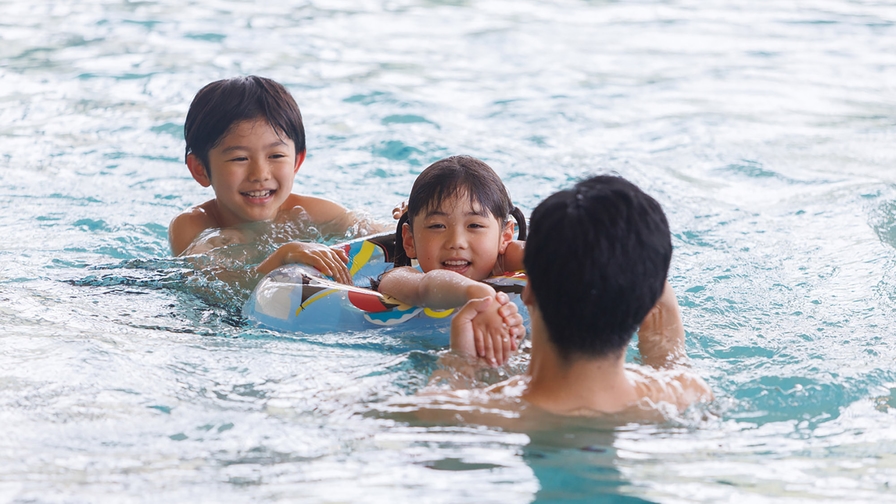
(765, 130)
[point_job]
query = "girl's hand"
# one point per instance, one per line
(329, 261)
(398, 211)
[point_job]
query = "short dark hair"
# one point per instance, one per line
(221, 104)
(450, 177)
(597, 258)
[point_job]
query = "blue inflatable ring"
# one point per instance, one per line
(297, 298)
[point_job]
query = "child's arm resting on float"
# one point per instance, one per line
(329, 261)
(437, 289)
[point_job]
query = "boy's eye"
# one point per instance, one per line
(436, 225)
(278, 156)
(239, 158)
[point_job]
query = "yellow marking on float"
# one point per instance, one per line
(316, 297)
(438, 313)
(362, 257)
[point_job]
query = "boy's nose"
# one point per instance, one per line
(259, 171)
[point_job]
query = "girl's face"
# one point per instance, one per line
(459, 236)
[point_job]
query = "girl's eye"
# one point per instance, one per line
(435, 226)
(477, 225)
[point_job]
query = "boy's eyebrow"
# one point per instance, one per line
(243, 147)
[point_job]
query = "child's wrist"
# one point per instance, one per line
(479, 290)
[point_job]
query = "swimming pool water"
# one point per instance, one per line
(766, 130)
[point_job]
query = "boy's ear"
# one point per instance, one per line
(198, 171)
(300, 158)
(527, 296)
(407, 240)
(506, 237)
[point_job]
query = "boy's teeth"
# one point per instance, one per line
(456, 263)
(257, 194)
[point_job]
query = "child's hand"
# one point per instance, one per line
(512, 318)
(462, 338)
(398, 211)
(492, 336)
(329, 261)
(479, 329)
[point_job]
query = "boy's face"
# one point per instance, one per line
(251, 170)
(457, 236)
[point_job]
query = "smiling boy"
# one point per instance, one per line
(245, 139)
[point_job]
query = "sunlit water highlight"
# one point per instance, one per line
(766, 130)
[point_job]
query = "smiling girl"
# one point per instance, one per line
(459, 230)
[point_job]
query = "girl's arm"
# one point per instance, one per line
(513, 256)
(438, 289)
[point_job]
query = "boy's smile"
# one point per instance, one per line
(458, 236)
(251, 170)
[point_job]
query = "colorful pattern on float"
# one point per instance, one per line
(297, 298)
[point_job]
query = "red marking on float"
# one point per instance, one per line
(371, 302)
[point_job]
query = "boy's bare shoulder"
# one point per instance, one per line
(189, 224)
(319, 209)
(678, 386)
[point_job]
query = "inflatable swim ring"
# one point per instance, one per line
(297, 298)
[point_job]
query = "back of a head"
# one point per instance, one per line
(221, 104)
(597, 257)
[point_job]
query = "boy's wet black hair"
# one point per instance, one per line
(450, 177)
(221, 104)
(597, 257)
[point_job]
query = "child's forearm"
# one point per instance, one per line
(661, 335)
(439, 289)
(443, 289)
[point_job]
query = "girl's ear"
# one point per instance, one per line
(198, 171)
(407, 240)
(506, 237)
(300, 158)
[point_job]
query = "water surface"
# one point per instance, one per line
(764, 128)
